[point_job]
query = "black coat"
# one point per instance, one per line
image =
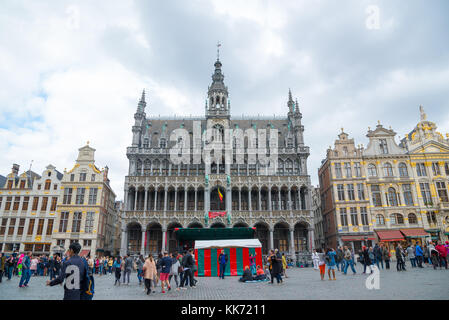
(71, 266)
(366, 259)
(276, 265)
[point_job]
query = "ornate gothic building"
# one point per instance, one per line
(161, 195)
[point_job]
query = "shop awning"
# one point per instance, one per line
(358, 238)
(84, 253)
(214, 233)
(390, 235)
(414, 233)
(235, 243)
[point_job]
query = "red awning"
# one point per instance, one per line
(414, 233)
(358, 238)
(84, 253)
(390, 235)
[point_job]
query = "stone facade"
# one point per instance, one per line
(28, 204)
(86, 208)
(161, 195)
(386, 186)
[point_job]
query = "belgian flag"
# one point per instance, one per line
(220, 195)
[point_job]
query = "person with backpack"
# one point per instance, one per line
(330, 262)
(348, 260)
(187, 264)
(139, 267)
(339, 259)
(26, 270)
(321, 263)
(222, 261)
(117, 266)
(74, 274)
(174, 271)
(166, 263)
(128, 268)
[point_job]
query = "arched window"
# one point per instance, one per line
(396, 218)
(412, 218)
(289, 166)
(388, 170)
(380, 219)
(372, 171)
(47, 184)
(280, 166)
(218, 132)
(392, 197)
(403, 172)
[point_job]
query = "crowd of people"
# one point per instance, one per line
(180, 267)
(432, 254)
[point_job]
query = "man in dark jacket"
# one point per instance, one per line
(166, 263)
(222, 261)
(26, 271)
(378, 256)
(339, 258)
(400, 264)
(73, 274)
(187, 263)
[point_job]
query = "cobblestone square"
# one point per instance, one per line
(425, 284)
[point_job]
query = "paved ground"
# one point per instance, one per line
(302, 284)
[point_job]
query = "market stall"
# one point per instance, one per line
(237, 250)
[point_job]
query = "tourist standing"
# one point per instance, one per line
(426, 255)
(149, 273)
(110, 264)
(411, 255)
(339, 259)
(174, 271)
(139, 267)
(315, 259)
(2, 265)
(365, 259)
(117, 265)
(128, 268)
(284, 266)
(419, 255)
(222, 261)
(322, 263)
(330, 262)
(276, 267)
(400, 265)
(378, 255)
(26, 272)
(187, 263)
(78, 284)
(166, 263)
(442, 253)
(348, 260)
(33, 267)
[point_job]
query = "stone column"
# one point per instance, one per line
(206, 201)
(135, 200)
(124, 245)
(125, 199)
(155, 199)
(269, 199)
(196, 199)
(260, 200)
(185, 199)
(145, 204)
(271, 239)
(229, 201)
(289, 199)
(176, 199)
(164, 240)
(250, 206)
(165, 199)
(142, 249)
(240, 199)
(292, 242)
(311, 235)
(279, 199)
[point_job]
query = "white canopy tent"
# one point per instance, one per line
(235, 243)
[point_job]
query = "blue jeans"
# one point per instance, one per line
(253, 269)
(347, 264)
(9, 271)
(338, 265)
(413, 262)
(222, 270)
(381, 262)
(26, 275)
(139, 275)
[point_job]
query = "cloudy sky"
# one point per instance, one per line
(73, 71)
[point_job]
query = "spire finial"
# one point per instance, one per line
(143, 96)
(290, 95)
(218, 50)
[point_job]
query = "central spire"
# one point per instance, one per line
(217, 94)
